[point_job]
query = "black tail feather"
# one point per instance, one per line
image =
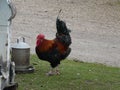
(59, 13)
(61, 26)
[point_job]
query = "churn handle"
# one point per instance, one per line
(18, 39)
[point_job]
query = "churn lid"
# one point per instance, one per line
(21, 44)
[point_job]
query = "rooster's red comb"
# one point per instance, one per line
(40, 36)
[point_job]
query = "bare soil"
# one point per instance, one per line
(95, 26)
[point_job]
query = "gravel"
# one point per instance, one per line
(95, 26)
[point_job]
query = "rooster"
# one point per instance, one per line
(54, 50)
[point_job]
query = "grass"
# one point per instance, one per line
(115, 3)
(74, 76)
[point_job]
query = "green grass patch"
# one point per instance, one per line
(74, 76)
(115, 3)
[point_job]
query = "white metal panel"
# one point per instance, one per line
(5, 12)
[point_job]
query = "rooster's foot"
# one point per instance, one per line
(57, 72)
(50, 73)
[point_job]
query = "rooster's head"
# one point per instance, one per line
(40, 37)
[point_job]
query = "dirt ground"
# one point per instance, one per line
(95, 26)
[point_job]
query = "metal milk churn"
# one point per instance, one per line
(21, 56)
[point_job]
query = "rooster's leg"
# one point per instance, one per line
(57, 71)
(51, 72)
